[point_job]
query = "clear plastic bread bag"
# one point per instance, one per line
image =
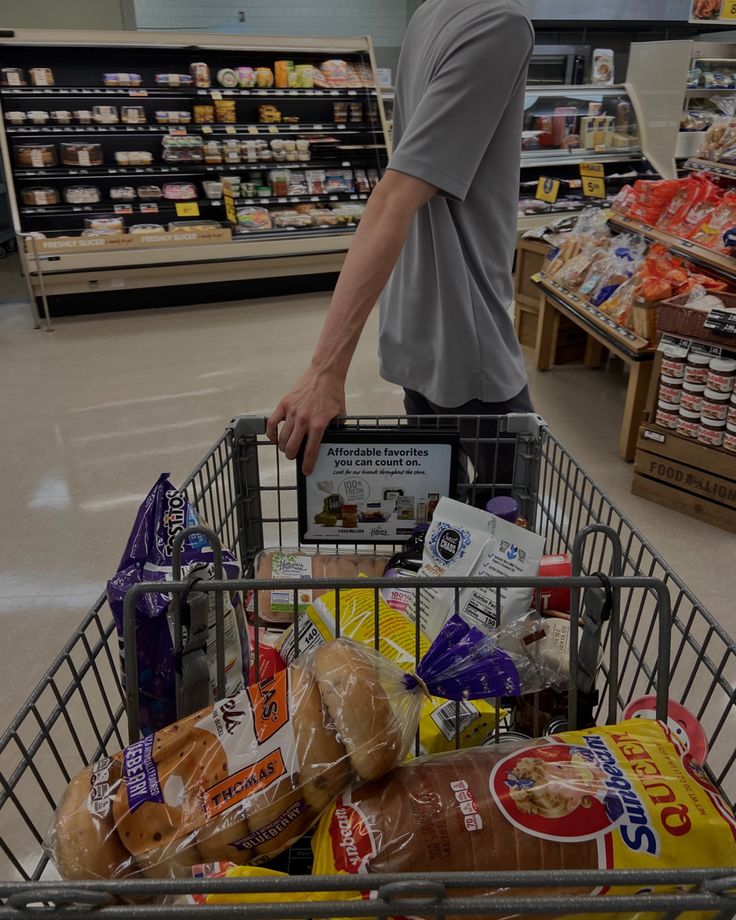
(241, 781)
(720, 138)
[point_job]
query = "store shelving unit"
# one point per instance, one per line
(184, 271)
(701, 102)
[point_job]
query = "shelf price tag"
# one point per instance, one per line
(593, 176)
(216, 94)
(547, 189)
(187, 209)
(272, 129)
(149, 208)
(230, 209)
(728, 10)
(206, 129)
(123, 209)
(231, 129)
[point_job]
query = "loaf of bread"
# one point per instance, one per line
(281, 564)
(243, 780)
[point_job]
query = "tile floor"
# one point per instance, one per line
(93, 412)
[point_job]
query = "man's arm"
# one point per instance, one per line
(319, 395)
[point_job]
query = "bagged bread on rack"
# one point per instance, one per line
(619, 797)
(147, 557)
(720, 138)
(241, 781)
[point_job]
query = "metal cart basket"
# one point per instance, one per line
(660, 640)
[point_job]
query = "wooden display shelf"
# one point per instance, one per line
(686, 476)
(603, 335)
(715, 261)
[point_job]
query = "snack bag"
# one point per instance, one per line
(241, 781)
(397, 642)
(619, 797)
(148, 557)
(465, 541)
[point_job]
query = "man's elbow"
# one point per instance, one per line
(401, 191)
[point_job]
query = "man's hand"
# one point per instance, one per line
(314, 401)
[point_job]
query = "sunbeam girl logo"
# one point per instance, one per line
(572, 793)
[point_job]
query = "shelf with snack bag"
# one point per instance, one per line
(189, 128)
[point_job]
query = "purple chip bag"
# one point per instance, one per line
(147, 557)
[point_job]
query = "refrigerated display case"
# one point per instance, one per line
(710, 93)
(176, 159)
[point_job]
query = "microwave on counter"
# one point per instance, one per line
(559, 65)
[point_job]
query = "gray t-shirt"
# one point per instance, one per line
(446, 331)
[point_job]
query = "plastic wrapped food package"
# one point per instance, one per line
(122, 79)
(122, 193)
(105, 223)
(200, 74)
(12, 76)
(39, 196)
(36, 155)
(150, 192)
(132, 114)
(82, 194)
(105, 114)
(41, 76)
(133, 157)
(61, 117)
(254, 218)
(242, 780)
(38, 117)
(82, 155)
(16, 118)
(173, 79)
(180, 191)
(580, 800)
(145, 228)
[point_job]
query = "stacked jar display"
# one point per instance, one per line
(696, 396)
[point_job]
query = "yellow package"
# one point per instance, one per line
(397, 642)
(617, 797)
(293, 897)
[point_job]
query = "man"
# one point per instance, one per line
(443, 220)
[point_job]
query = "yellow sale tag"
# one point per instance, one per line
(594, 188)
(548, 189)
(230, 209)
(728, 10)
(187, 209)
(594, 170)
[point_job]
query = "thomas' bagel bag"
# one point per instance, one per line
(147, 557)
(619, 797)
(241, 781)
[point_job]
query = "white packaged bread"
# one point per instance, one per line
(296, 564)
(240, 781)
(616, 797)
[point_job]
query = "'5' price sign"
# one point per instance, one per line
(593, 176)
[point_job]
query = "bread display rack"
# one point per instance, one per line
(114, 133)
(660, 640)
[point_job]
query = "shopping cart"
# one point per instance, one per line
(247, 494)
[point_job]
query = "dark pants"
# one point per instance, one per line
(487, 456)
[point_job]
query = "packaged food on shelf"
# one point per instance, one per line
(187, 226)
(146, 228)
(122, 79)
(722, 375)
(132, 114)
(82, 194)
(282, 69)
(668, 415)
(305, 73)
(180, 191)
(720, 139)
(225, 111)
(38, 117)
(339, 180)
(61, 117)
(227, 77)
(252, 218)
(12, 76)
(105, 115)
(362, 184)
(122, 193)
(83, 116)
(212, 151)
(710, 232)
(231, 150)
(173, 79)
(204, 114)
(323, 217)
(603, 67)
(729, 438)
(340, 112)
(246, 77)
(264, 77)
(115, 224)
(41, 76)
(297, 182)
(292, 220)
(212, 189)
(150, 192)
(711, 432)
(715, 405)
(185, 148)
(200, 74)
(279, 181)
(110, 232)
(356, 112)
(133, 157)
(82, 154)
(36, 155)
(268, 114)
(40, 196)
(16, 118)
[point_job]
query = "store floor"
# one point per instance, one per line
(92, 413)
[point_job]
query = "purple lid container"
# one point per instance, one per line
(504, 507)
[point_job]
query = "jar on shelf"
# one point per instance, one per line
(688, 424)
(711, 433)
(722, 375)
(693, 395)
(697, 368)
(716, 405)
(667, 416)
(674, 359)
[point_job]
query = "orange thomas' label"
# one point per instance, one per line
(269, 702)
(251, 779)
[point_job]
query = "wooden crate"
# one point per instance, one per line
(531, 256)
(686, 476)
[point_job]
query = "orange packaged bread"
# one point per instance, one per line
(623, 797)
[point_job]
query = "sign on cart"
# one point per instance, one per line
(375, 487)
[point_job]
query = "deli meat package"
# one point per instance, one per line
(619, 797)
